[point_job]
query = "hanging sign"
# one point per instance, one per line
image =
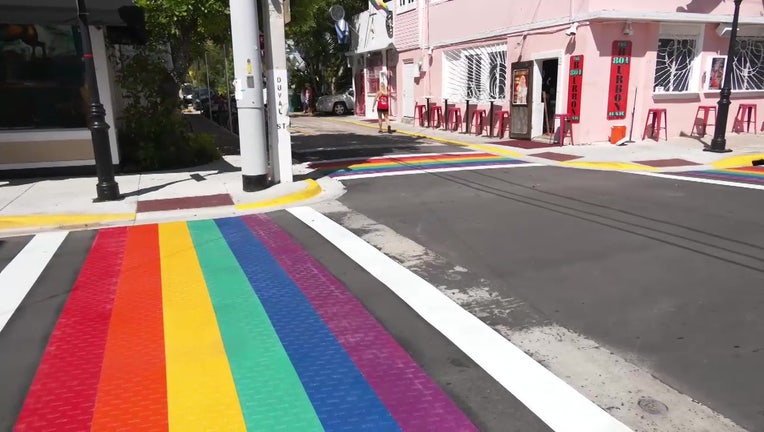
(620, 68)
(575, 85)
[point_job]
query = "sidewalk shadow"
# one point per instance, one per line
(334, 152)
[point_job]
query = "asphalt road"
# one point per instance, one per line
(668, 274)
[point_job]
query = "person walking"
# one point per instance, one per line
(382, 105)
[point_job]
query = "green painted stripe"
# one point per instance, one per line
(270, 392)
(430, 164)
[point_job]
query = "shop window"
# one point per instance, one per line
(748, 68)
(42, 83)
(478, 74)
(677, 67)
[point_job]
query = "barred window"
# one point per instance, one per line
(674, 64)
(748, 68)
(478, 74)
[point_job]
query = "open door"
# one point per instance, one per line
(521, 103)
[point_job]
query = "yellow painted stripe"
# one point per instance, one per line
(737, 161)
(61, 220)
(201, 395)
(619, 166)
(404, 162)
(311, 190)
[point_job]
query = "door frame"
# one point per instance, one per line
(537, 115)
(407, 108)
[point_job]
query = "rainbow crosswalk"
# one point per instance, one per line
(750, 175)
(226, 325)
(413, 164)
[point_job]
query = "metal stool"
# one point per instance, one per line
(436, 110)
(701, 123)
(454, 117)
(419, 112)
(504, 124)
(478, 115)
(743, 118)
(656, 120)
(566, 128)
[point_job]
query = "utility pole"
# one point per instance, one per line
(107, 188)
(248, 83)
(719, 142)
(278, 90)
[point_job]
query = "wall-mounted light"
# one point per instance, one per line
(627, 29)
(571, 31)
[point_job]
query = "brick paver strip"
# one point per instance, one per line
(559, 157)
(271, 394)
(63, 394)
(342, 398)
(203, 201)
(201, 394)
(135, 345)
(413, 398)
(666, 163)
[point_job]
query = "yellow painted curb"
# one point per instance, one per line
(737, 161)
(617, 166)
(62, 220)
(481, 147)
(310, 191)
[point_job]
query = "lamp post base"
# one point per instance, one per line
(717, 150)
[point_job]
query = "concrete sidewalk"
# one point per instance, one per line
(676, 154)
(30, 205)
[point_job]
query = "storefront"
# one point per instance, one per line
(373, 58)
(43, 96)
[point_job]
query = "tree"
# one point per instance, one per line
(313, 36)
(187, 26)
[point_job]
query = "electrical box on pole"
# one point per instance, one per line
(280, 142)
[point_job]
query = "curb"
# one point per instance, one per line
(311, 190)
(26, 223)
(738, 161)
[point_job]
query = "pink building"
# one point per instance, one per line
(590, 59)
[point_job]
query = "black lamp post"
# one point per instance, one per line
(719, 142)
(107, 188)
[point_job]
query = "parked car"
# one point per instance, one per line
(339, 104)
(187, 95)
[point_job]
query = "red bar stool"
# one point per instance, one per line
(436, 111)
(503, 122)
(477, 115)
(743, 118)
(656, 120)
(701, 123)
(419, 113)
(566, 128)
(454, 117)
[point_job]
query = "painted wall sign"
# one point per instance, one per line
(620, 69)
(575, 85)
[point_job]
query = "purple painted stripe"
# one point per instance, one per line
(723, 176)
(413, 398)
(405, 168)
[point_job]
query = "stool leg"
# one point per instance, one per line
(647, 122)
(755, 120)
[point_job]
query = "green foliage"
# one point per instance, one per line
(314, 38)
(153, 134)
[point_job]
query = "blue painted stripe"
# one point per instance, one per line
(414, 167)
(724, 175)
(341, 397)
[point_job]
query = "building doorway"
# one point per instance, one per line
(549, 77)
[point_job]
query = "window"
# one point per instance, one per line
(748, 68)
(478, 74)
(405, 5)
(677, 59)
(41, 77)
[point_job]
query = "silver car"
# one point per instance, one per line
(339, 104)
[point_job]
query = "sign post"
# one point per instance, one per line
(278, 91)
(620, 69)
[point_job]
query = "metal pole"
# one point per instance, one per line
(719, 142)
(107, 188)
(278, 95)
(227, 88)
(209, 90)
(248, 76)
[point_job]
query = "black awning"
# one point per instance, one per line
(102, 12)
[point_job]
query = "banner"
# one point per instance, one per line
(620, 69)
(575, 87)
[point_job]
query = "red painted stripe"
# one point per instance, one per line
(63, 394)
(133, 388)
(404, 159)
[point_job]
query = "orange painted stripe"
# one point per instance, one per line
(394, 161)
(133, 387)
